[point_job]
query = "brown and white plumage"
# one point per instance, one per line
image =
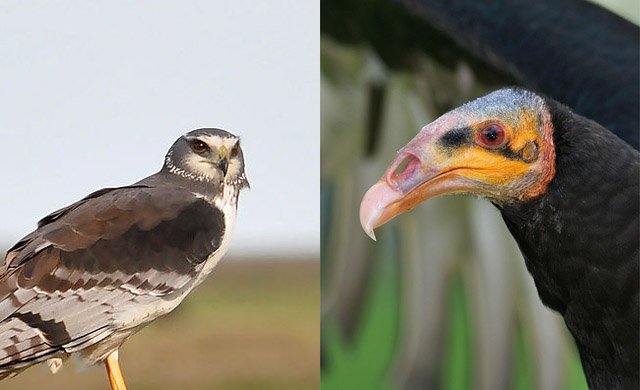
(96, 271)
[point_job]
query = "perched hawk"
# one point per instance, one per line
(97, 271)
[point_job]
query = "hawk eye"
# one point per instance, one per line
(199, 146)
(492, 136)
(234, 151)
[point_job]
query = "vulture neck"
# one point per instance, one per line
(580, 242)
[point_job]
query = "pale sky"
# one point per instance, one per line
(92, 94)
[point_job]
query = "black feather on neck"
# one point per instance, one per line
(580, 242)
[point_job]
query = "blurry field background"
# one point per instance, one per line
(442, 300)
(252, 325)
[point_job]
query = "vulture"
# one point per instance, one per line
(568, 190)
(558, 157)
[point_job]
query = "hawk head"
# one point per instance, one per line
(208, 155)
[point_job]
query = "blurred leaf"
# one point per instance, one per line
(457, 357)
(523, 370)
(575, 375)
(364, 364)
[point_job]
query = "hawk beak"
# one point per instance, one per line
(223, 164)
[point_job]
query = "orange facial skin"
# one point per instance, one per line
(454, 155)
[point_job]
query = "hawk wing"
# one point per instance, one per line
(66, 285)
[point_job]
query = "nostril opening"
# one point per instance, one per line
(223, 165)
(402, 166)
(404, 170)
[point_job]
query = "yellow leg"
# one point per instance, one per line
(113, 369)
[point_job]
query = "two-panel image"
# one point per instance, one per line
(335, 194)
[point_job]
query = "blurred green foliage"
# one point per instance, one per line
(372, 337)
(457, 355)
(364, 363)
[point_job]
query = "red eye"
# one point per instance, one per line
(491, 136)
(199, 146)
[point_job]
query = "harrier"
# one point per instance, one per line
(97, 271)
